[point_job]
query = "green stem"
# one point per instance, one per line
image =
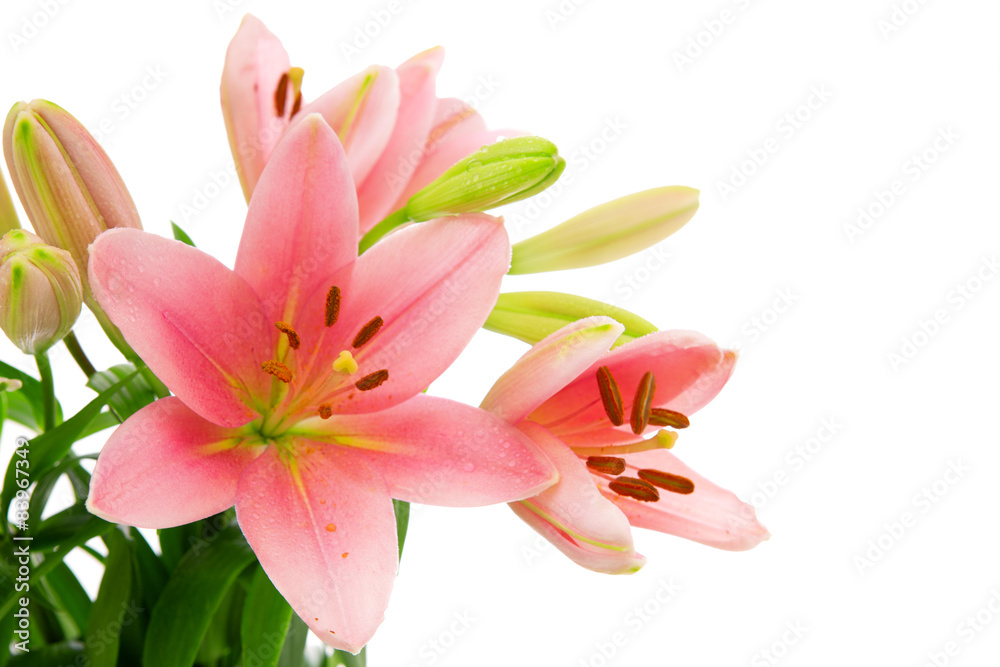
(73, 345)
(48, 390)
(394, 220)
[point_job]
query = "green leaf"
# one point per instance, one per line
(111, 611)
(8, 624)
(402, 511)
(133, 396)
(46, 483)
(63, 653)
(68, 597)
(293, 653)
(102, 421)
(193, 593)
(180, 235)
(266, 618)
(20, 409)
(61, 527)
(94, 527)
(31, 393)
(46, 449)
(151, 574)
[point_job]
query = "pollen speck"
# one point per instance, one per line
(325, 411)
(330, 527)
(343, 555)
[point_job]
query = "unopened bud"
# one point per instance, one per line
(69, 188)
(8, 216)
(531, 316)
(497, 174)
(607, 232)
(40, 291)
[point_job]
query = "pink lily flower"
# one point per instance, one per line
(398, 135)
(575, 399)
(298, 380)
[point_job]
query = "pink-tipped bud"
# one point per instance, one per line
(40, 291)
(69, 188)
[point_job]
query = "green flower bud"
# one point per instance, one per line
(498, 174)
(607, 232)
(531, 316)
(70, 190)
(40, 291)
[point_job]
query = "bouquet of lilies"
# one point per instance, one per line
(269, 419)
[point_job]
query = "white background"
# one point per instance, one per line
(856, 593)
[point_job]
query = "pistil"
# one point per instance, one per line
(662, 440)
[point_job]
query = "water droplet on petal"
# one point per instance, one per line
(468, 466)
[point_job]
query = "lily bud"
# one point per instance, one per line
(532, 316)
(40, 291)
(8, 216)
(607, 232)
(69, 188)
(497, 174)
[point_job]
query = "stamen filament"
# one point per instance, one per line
(662, 440)
(610, 396)
(642, 404)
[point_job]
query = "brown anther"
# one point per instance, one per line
(610, 396)
(332, 306)
(280, 94)
(325, 411)
(642, 404)
(367, 332)
(630, 487)
(293, 338)
(609, 465)
(297, 104)
(372, 380)
(278, 370)
(664, 417)
(669, 481)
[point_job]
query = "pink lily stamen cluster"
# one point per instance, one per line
(291, 385)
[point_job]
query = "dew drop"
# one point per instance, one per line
(468, 466)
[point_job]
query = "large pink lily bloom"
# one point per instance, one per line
(297, 381)
(613, 476)
(398, 135)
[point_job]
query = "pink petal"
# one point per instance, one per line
(575, 517)
(166, 466)
(395, 167)
(689, 369)
(254, 64)
(362, 111)
(549, 366)
(197, 324)
(321, 523)
(433, 284)
(301, 232)
(710, 515)
(439, 452)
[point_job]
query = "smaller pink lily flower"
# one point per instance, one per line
(589, 410)
(297, 379)
(398, 135)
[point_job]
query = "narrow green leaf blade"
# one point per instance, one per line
(111, 610)
(197, 587)
(180, 234)
(266, 618)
